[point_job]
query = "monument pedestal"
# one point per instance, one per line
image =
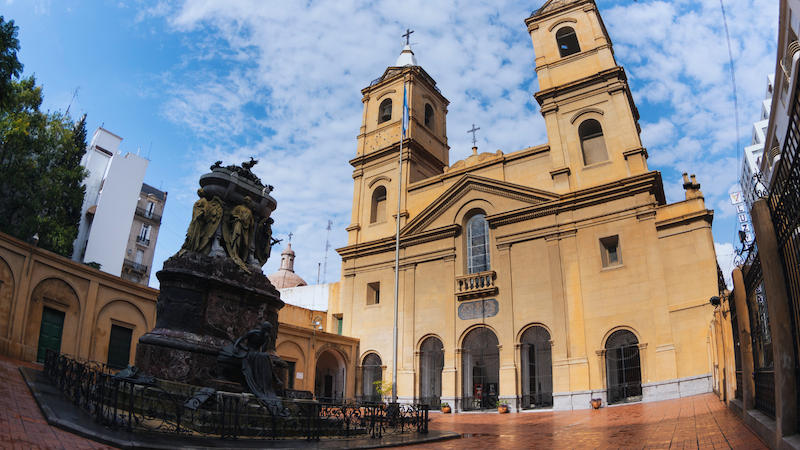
(205, 302)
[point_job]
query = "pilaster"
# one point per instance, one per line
(745, 341)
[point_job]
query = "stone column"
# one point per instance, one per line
(780, 325)
(745, 341)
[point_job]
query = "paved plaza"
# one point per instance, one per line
(700, 422)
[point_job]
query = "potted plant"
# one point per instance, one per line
(445, 407)
(502, 406)
(597, 403)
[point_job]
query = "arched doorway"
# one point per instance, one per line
(537, 368)
(623, 368)
(371, 371)
(329, 377)
(431, 363)
(480, 364)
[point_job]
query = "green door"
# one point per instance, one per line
(50, 332)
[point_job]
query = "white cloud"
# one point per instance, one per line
(280, 81)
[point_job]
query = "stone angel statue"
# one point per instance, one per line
(206, 216)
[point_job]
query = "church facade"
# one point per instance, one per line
(545, 277)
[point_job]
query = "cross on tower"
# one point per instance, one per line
(290, 237)
(408, 35)
(473, 130)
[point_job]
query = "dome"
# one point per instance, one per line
(406, 58)
(285, 276)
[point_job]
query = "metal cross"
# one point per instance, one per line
(408, 35)
(290, 237)
(473, 130)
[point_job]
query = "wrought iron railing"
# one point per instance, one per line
(477, 403)
(145, 404)
(784, 207)
(143, 240)
(475, 284)
(739, 386)
(133, 265)
(148, 214)
(536, 401)
(765, 391)
(434, 403)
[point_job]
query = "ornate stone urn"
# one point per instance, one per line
(213, 290)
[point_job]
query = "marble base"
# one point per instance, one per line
(677, 388)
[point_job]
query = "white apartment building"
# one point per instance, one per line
(754, 152)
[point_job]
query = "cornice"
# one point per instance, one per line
(600, 77)
(387, 244)
(705, 214)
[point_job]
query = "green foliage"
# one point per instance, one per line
(383, 388)
(40, 155)
(94, 265)
(10, 67)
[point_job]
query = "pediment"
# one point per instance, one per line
(469, 183)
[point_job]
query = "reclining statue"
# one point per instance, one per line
(256, 365)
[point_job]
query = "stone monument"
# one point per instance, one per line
(213, 290)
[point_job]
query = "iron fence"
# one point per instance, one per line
(536, 401)
(432, 402)
(477, 403)
(144, 404)
(739, 386)
(765, 391)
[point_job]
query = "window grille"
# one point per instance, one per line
(431, 363)
(480, 363)
(623, 368)
(371, 372)
(537, 368)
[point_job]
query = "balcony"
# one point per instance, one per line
(475, 284)
(148, 215)
(142, 240)
(134, 266)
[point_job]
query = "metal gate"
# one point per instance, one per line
(537, 368)
(371, 372)
(480, 364)
(623, 368)
(431, 363)
(784, 206)
(329, 385)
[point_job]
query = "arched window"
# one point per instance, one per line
(371, 372)
(480, 364)
(478, 244)
(431, 363)
(428, 116)
(567, 41)
(537, 368)
(593, 145)
(378, 210)
(623, 368)
(385, 111)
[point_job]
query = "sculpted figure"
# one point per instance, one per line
(206, 216)
(256, 365)
(236, 232)
(264, 240)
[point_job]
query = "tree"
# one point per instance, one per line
(10, 67)
(40, 156)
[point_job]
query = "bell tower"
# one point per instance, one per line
(425, 149)
(591, 120)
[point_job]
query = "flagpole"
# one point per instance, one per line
(397, 243)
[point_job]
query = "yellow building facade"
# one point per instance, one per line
(545, 277)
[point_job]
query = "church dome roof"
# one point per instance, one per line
(285, 276)
(406, 58)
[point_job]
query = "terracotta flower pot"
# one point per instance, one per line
(502, 409)
(446, 409)
(596, 403)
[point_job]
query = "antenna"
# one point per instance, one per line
(327, 246)
(74, 94)
(151, 148)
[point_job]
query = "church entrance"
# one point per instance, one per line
(480, 365)
(329, 377)
(537, 368)
(623, 368)
(431, 363)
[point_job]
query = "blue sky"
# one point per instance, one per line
(194, 82)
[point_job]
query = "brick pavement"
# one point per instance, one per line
(701, 422)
